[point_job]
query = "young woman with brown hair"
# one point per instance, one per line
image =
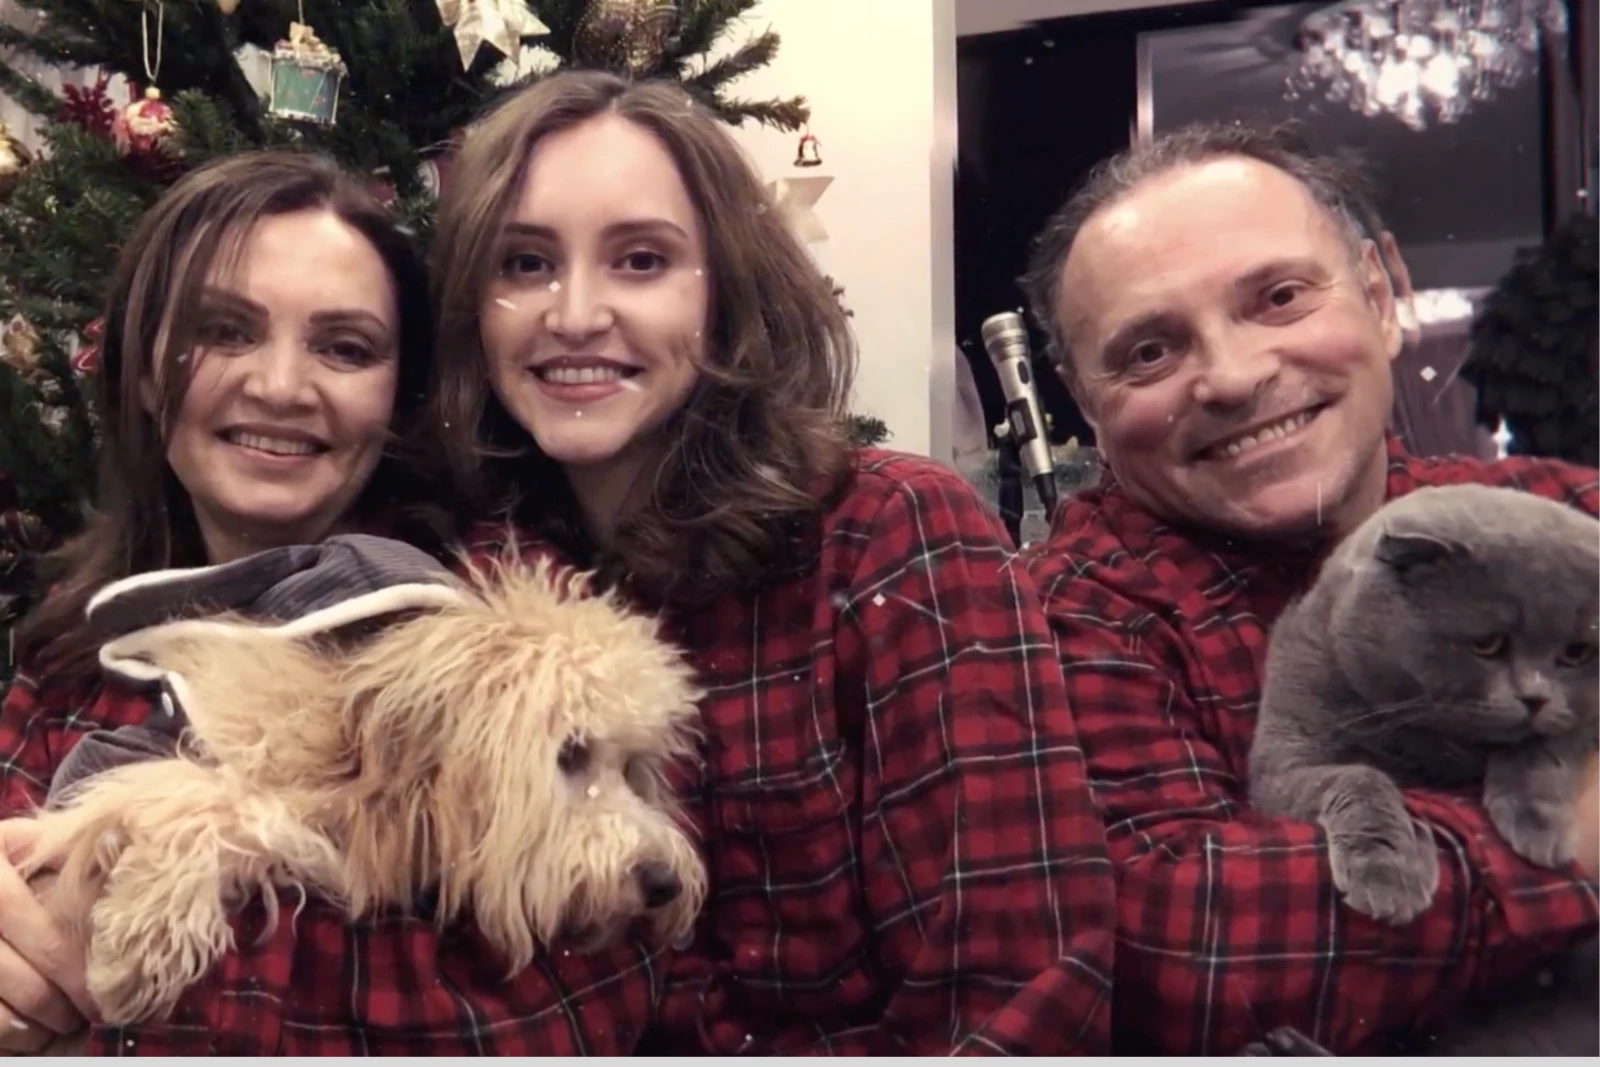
(641, 372)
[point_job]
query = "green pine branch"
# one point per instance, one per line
(865, 431)
(750, 57)
(48, 43)
(700, 26)
(50, 469)
(27, 91)
(788, 115)
(703, 23)
(562, 18)
(207, 128)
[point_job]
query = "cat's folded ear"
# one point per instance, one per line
(1405, 552)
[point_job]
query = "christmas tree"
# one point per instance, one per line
(381, 85)
(1535, 355)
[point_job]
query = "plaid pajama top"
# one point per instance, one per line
(904, 854)
(1229, 923)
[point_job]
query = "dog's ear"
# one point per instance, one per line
(200, 663)
(157, 652)
(250, 696)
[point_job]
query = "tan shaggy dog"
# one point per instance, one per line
(505, 746)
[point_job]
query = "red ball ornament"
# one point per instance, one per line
(145, 126)
(86, 360)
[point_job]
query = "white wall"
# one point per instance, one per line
(880, 79)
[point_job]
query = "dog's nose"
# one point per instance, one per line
(659, 884)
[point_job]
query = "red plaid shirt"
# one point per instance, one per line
(1229, 923)
(905, 855)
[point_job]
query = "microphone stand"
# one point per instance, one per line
(1005, 339)
(1010, 496)
(1013, 496)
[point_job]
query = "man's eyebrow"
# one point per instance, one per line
(1277, 268)
(1141, 325)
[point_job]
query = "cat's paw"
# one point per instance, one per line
(1540, 831)
(1392, 877)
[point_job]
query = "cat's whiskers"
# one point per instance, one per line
(1383, 714)
(1378, 710)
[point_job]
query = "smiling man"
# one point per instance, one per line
(1228, 331)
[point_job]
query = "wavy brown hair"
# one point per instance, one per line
(144, 518)
(758, 447)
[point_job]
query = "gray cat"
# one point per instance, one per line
(1449, 641)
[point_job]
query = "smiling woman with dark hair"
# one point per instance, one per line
(267, 326)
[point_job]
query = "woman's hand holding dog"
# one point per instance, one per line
(43, 990)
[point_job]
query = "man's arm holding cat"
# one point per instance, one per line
(1229, 923)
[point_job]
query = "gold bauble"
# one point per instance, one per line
(625, 35)
(19, 345)
(14, 160)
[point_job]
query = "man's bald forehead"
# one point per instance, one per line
(1332, 183)
(1184, 221)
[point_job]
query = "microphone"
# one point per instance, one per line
(1005, 338)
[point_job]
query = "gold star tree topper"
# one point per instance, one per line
(502, 24)
(796, 199)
